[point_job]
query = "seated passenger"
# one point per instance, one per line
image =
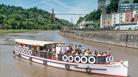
(63, 50)
(99, 54)
(67, 48)
(104, 54)
(87, 52)
(73, 52)
(93, 53)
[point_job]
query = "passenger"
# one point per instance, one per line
(108, 53)
(81, 54)
(93, 53)
(99, 53)
(83, 50)
(76, 54)
(80, 47)
(87, 52)
(53, 49)
(104, 54)
(58, 50)
(73, 52)
(63, 50)
(67, 48)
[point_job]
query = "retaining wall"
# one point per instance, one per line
(122, 38)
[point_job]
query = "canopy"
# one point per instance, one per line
(33, 42)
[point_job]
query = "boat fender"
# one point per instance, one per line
(107, 59)
(84, 59)
(30, 58)
(91, 59)
(70, 59)
(111, 58)
(88, 70)
(45, 62)
(67, 67)
(65, 58)
(77, 59)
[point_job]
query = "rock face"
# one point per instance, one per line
(122, 38)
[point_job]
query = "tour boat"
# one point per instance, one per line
(60, 55)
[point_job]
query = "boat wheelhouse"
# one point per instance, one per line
(70, 57)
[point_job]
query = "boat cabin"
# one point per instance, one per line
(61, 51)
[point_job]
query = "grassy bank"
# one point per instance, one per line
(7, 31)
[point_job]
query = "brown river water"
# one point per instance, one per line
(13, 66)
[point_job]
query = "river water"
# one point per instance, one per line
(12, 66)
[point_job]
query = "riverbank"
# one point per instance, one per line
(121, 38)
(7, 31)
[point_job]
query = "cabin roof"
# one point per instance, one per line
(33, 42)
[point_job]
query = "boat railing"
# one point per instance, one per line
(77, 58)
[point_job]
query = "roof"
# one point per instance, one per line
(33, 42)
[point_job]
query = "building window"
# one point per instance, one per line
(127, 20)
(114, 22)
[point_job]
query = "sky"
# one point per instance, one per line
(59, 6)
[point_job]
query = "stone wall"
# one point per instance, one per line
(123, 38)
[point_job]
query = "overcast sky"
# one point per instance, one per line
(60, 6)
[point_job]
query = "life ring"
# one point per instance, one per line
(30, 51)
(20, 51)
(77, 59)
(70, 58)
(45, 62)
(107, 59)
(88, 70)
(111, 58)
(91, 59)
(84, 59)
(65, 58)
(67, 67)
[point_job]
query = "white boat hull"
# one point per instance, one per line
(119, 69)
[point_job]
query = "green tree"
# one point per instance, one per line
(135, 1)
(126, 2)
(14, 17)
(113, 6)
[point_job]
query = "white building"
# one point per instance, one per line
(123, 7)
(122, 17)
(115, 18)
(106, 20)
(129, 1)
(135, 12)
(85, 24)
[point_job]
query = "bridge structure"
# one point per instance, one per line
(65, 14)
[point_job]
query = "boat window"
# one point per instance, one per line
(101, 59)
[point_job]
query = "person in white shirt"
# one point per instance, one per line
(58, 50)
(63, 49)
